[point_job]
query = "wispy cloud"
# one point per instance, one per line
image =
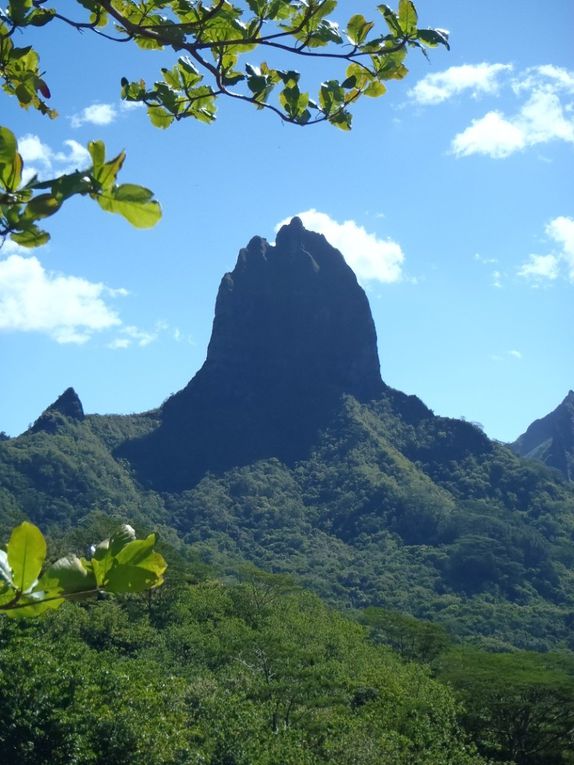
(484, 260)
(372, 259)
(475, 79)
(496, 275)
(131, 336)
(40, 159)
(539, 269)
(68, 309)
(507, 355)
(95, 114)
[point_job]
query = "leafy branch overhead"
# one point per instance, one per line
(118, 565)
(210, 41)
(23, 205)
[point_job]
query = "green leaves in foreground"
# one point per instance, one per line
(119, 564)
(22, 206)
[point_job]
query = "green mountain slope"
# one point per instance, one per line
(426, 516)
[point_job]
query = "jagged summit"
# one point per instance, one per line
(292, 332)
(293, 315)
(67, 405)
(551, 438)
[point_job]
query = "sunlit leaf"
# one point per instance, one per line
(130, 579)
(407, 16)
(8, 145)
(26, 554)
(134, 203)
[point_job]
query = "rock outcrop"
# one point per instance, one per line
(551, 439)
(67, 405)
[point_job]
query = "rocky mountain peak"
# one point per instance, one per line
(551, 438)
(292, 333)
(66, 405)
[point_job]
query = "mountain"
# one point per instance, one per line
(288, 450)
(68, 405)
(551, 439)
(292, 332)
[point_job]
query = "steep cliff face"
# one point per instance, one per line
(551, 439)
(292, 332)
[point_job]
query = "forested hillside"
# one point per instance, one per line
(258, 672)
(426, 516)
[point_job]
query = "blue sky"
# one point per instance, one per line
(452, 198)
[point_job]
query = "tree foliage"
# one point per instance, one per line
(119, 564)
(519, 707)
(210, 43)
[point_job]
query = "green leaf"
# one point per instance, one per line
(391, 18)
(358, 28)
(159, 117)
(8, 146)
(26, 554)
(342, 120)
(11, 173)
(433, 37)
(102, 561)
(375, 89)
(141, 553)
(108, 173)
(408, 16)
(42, 206)
(134, 203)
(32, 236)
(130, 579)
(67, 575)
(97, 151)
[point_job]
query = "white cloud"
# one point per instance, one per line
(371, 258)
(545, 268)
(119, 343)
(41, 160)
(540, 267)
(477, 78)
(492, 135)
(96, 114)
(130, 106)
(544, 115)
(515, 354)
(545, 76)
(68, 309)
